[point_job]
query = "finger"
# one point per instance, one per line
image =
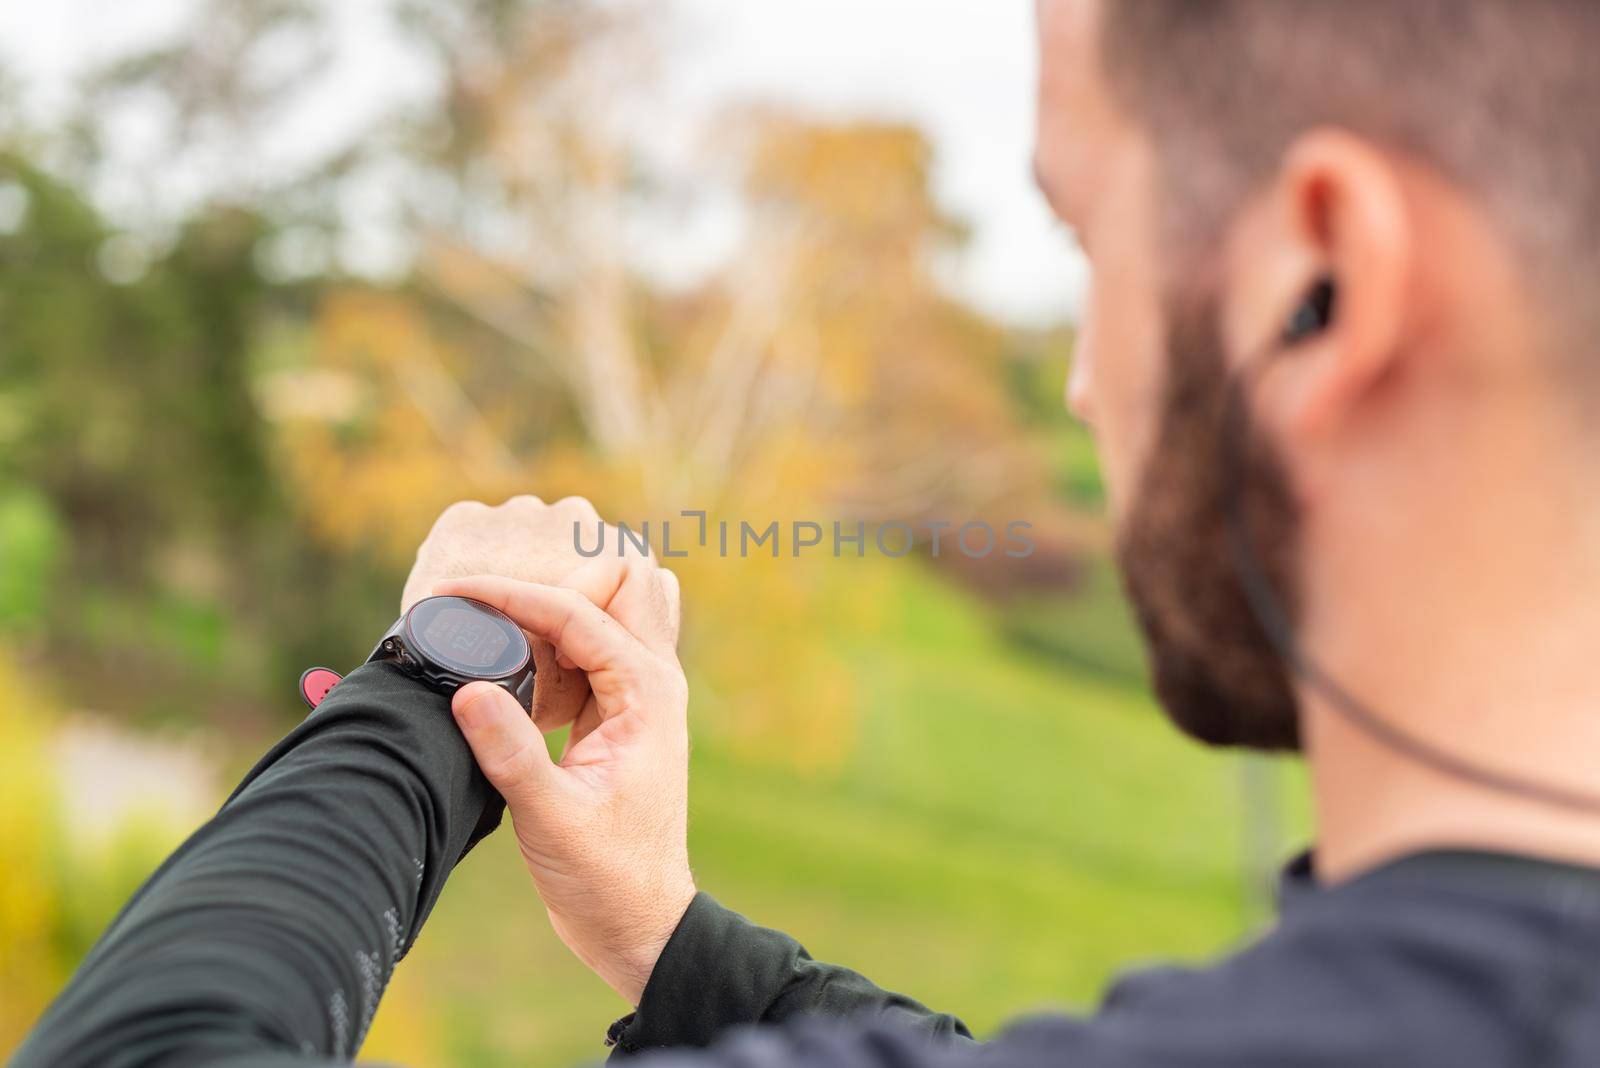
(599, 579)
(630, 592)
(509, 749)
(673, 592)
(560, 689)
(565, 618)
(584, 725)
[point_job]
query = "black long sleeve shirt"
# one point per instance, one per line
(1451, 958)
(267, 939)
(269, 936)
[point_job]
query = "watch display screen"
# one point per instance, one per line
(467, 637)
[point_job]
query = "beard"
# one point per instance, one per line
(1214, 668)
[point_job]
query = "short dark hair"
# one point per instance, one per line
(1501, 97)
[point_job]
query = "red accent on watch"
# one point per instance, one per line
(315, 684)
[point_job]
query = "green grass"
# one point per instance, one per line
(1008, 833)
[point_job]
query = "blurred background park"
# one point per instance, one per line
(280, 279)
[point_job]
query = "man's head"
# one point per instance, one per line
(1436, 161)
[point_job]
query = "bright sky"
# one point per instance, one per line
(963, 70)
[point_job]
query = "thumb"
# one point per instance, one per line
(508, 747)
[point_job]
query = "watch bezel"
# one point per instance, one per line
(424, 652)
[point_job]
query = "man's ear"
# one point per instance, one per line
(1337, 212)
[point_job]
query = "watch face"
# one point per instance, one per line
(467, 638)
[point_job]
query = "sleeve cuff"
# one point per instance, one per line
(717, 971)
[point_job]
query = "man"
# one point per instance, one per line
(1346, 257)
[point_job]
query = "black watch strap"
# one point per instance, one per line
(399, 647)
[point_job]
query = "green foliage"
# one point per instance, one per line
(32, 541)
(129, 372)
(1090, 632)
(1077, 469)
(143, 523)
(126, 373)
(192, 633)
(1036, 374)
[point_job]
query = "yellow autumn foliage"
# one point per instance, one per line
(30, 904)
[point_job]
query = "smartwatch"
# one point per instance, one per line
(445, 643)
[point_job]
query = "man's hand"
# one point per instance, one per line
(602, 830)
(526, 539)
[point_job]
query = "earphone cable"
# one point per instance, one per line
(1267, 607)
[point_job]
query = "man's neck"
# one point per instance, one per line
(1375, 805)
(1456, 593)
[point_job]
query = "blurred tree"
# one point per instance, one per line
(126, 378)
(823, 374)
(128, 409)
(378, 432)
(169, 131)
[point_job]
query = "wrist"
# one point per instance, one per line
(640, 963)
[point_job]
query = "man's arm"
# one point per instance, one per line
(269, 936)
(719, 971)
(1401, 971)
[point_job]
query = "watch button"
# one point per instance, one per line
(315, 684)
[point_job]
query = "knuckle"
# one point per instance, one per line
(628, 728)
(463, 510)
(630, 694)
(525, 502)
(571, 600)
(675, 685)
(643, 562)
(578, 506)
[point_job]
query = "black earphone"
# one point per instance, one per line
(1312, 317)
